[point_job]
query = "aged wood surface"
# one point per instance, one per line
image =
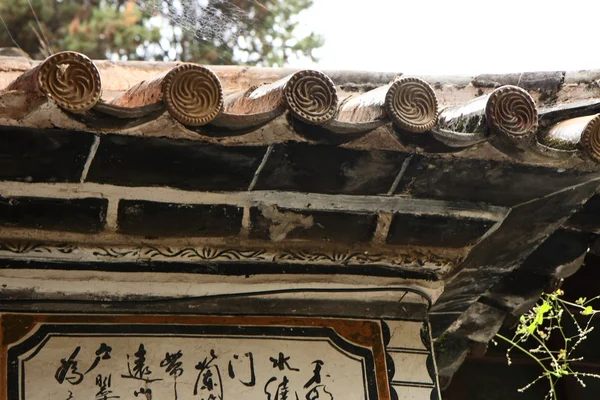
(326, 202)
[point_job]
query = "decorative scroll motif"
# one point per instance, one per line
(20, 247)
(311, 96)
(511, 111)
(412, 105)
(206, 253)
(193, 94)
(71, 80)
(333, 257)
(590, 139)
(115, 252)
(16, 248)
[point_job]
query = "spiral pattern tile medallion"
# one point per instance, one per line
(590, 139)
(311, 96)
(71, 80)
(412, 105)
(192, 94)
(512, 111)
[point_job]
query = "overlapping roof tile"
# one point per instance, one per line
(202, 103)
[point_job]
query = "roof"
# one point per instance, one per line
(540, 118)
(228, 175)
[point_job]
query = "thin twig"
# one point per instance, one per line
(9, 35)
(41, 29)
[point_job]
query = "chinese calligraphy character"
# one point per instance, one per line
(104, 391)
(281, 390)
(211, 379)
(316, 378)
(145, 392)
(282, 362)
(140, 369)
(172, 364)
(231, 371)
(103, 353)
(173, 367)
(318, 392)
(68, 369)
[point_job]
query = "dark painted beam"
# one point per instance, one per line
(436, 230)
(70, 215)
(587, 218)
(134, 161)
(49, 155)
(488, 181)
(330, 169)
(152, 219)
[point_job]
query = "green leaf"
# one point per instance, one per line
(588, 311)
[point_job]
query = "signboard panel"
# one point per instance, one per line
(73, 357)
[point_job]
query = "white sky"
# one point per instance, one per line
(455, 36)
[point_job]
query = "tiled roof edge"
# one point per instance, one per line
(505, 110)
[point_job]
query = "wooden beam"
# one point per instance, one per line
(289, 200)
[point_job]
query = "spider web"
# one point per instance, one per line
(207, 20)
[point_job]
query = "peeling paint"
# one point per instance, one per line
(284, 221)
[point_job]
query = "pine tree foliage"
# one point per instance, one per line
(255, 32)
